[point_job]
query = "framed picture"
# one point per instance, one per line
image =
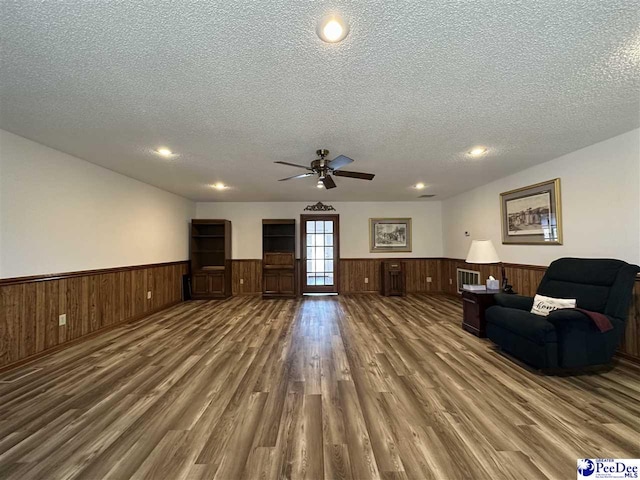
(532, 215)
(390, 234)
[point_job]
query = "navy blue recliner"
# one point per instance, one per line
(566, 339)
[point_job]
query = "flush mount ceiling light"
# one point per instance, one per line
(219, 186)
(419, 186)
(164, 152)
(477, 151)
(320, 184)
(332, 29)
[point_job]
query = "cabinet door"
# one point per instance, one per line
(200, 284)
(287, 283)
(216, 283)
(271, 283)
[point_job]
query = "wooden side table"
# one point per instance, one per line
(474, 305)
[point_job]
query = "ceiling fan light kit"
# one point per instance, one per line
(323, 168)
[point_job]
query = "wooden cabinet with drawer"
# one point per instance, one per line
(393, 278)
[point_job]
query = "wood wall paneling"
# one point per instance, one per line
(631, 343)
(250, 271)
(29, 310)
(100, 299)
(354, 271)
(524, 278)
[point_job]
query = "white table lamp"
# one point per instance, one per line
(483, 252)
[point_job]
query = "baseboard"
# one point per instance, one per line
(76, 341)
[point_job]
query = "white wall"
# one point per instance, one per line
(246, 223)
(600, 206)
(59, 214)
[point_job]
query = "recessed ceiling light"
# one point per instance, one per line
(332, 29)
(419, 186)
(477, 151)
(219, 186)
(165, 152)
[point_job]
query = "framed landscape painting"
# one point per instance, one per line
(532, 215)
(390, 234)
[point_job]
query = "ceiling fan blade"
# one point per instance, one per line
(302, 175)
(360, 175)
(293, 165)
(339, 162)
(328, 182)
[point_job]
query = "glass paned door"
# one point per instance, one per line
(320, 251)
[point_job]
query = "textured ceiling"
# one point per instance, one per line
(234, 85)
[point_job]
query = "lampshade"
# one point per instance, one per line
(482, 251)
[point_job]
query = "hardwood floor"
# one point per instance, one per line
(326, 387)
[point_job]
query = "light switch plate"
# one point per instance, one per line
(242, 281)
(62, 319)
(429, 280)
(366, 279)
(149, 295)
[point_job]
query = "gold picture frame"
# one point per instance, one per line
(389, 235)
(532, 215)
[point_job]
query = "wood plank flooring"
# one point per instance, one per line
(326, 387)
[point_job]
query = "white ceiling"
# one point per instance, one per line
(233, 86)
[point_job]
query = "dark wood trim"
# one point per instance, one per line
(336, 253)
(76, 341)
(82, 273)
(277, 221)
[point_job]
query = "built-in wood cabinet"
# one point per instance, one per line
(210, 258)
(278, 258)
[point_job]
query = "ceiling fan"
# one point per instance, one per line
(323, 168)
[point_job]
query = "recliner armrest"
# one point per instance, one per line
(567, 315)
(519, 302)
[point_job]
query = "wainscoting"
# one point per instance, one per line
(524, 278)
(92, 300)
(250, 272)
(631, 345)
(97, 300)
(353, 272)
